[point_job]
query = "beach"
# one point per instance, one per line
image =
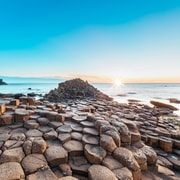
(87, 138)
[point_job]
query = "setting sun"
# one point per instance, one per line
(117, 82)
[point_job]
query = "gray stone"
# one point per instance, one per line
(94, 154)
(42, 174)
(33, 162)
(27, 146)
(107, 143)
(6, 119)
(65, 169)
(12, 155)
(126, 157)
(111, 163)
(64, 129)
(79, 165)
(34, 133)
(56, 155)
(50, 135)
(39, 146)
(43, 121)
(91, 131)
(150, 154)
(21, 115)
(11, 171)
(90, 139)
(76, 136)
(64, 137)
(98, 172)
(10, 144)
(31, 124)
(123, 173)
(55, 124)
(74, 148)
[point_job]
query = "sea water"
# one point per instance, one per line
(122, 93)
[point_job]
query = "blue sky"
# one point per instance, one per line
(132, 40)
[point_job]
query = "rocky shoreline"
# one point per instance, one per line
(89, 138)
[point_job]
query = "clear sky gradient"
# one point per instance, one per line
(99, 40)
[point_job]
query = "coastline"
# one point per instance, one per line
(141, 122)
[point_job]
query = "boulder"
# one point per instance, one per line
(79, 165)
(164, 162)
(166, 144)
(2, 108)
(27, 146)
(14, 102)
(150, 154)
(163, 105)
(165, 171)
(43, 121)
(11, 171)
(94, 154)
(123, 174)
(174, 100)
(87, 123)
(141, 159)
(78, 118)
(50, 135)
(126, 157)
(98, 172)
(21, 115)
(124, 132)
(90, 139)
(56, 155)
(11, 144)
(91, 131)
(12, 155)
(116, 137)
(34, 133)
(64, 129)
(51, 116)
(74, 148)
(64, 137)
(65, 169)
(31, 124)
(6, 119)
(42, 174)
(39, 146)
(4, 136)
(76, 136)
(107, 143)
(111, 163)
(33, 162)
(175, 160)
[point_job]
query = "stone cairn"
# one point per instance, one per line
(85, 139)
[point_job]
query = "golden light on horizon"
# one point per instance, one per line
(117, 82)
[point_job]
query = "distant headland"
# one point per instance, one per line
(2, 82)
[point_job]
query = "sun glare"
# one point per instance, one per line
(117, 82)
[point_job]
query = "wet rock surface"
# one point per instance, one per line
(88, 139)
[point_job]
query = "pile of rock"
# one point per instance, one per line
(2, 82)
(75, 89)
